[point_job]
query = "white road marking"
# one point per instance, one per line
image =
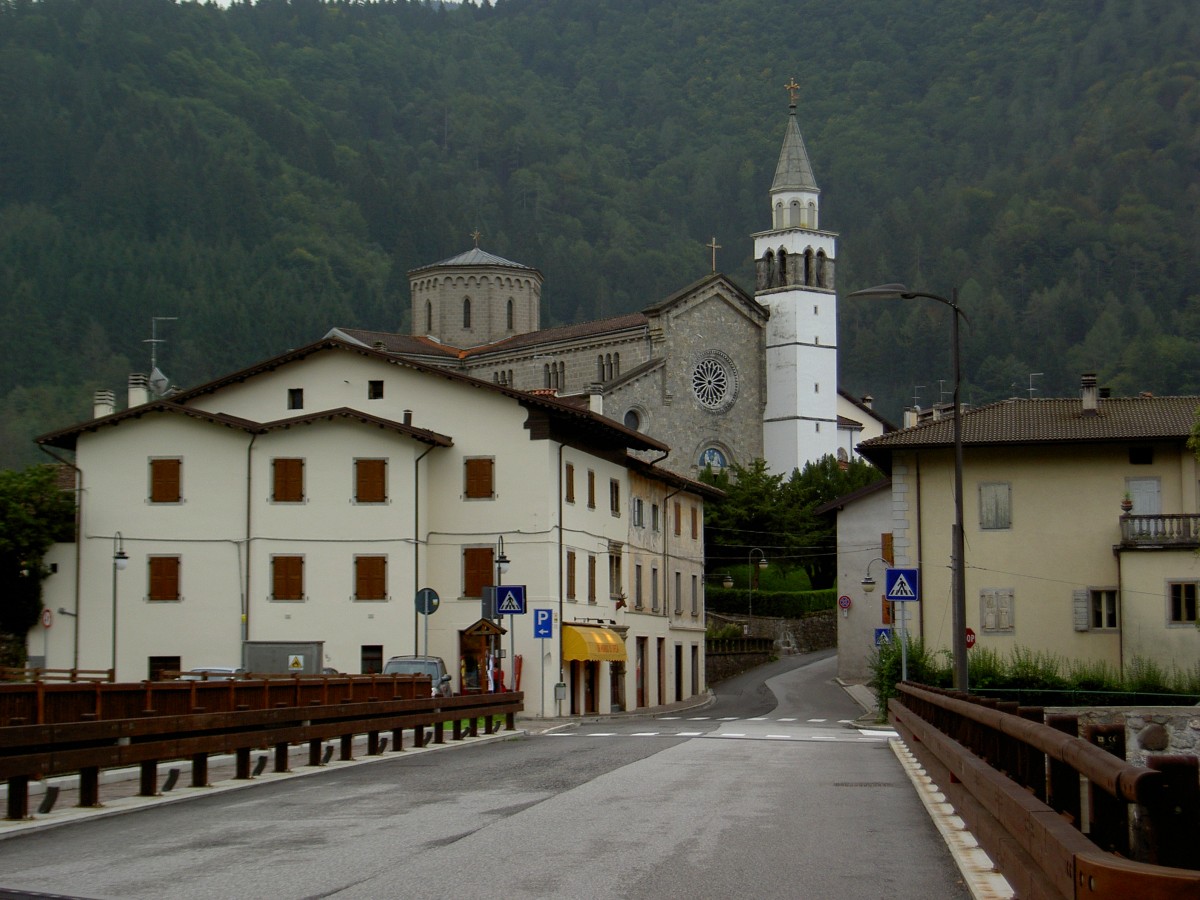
(730, 734)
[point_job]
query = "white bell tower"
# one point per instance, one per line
(794, 264)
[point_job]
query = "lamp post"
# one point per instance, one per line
(762, 564)
(958, 591)
(868, 585)
(120, 561)
(502, 563)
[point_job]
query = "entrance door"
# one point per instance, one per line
(695, 670)
(641, 672)
(1147, 501)
(678, 672)
(662, 671)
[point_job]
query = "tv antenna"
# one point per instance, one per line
(917, 396)
(154, 340)
(1033, 375)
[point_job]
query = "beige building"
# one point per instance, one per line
(1053, 562)
(309, 498)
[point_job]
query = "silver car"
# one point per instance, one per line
(422, 665)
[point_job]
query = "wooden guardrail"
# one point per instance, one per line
(1016, 782)
(35, 673)
(95, 730)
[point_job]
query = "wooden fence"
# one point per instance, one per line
(55, 729)
(1027, 788)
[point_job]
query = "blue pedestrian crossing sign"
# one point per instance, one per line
(900, 585)
(883, 636)
(543, 623)
(510, 600)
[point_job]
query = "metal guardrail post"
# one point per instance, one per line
(148, 782)
(89, 786)
(199, 770)
(242, 772)
(314, 752)
(1064, 781)
(1108, 816)
(347, 748)
(439, 732)
(1169, 826)
(18, 797)
(1031, 765)
(281, 756)
(398, 739)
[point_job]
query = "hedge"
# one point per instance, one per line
(773, 604)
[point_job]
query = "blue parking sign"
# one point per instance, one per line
(543, 623)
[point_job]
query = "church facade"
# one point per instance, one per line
(719, 375)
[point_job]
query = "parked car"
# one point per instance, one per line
(212, 673)
(422, 665)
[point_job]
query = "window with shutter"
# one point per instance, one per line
(166, 480)
(370, 480)
(591, 579)
(570, 574)
(287, 577)
(569, 483)
(591, 489)
(479, 481)
(695, 524)
(995, 505)
(997, 609)
(370, 578)
(614, 496)
(289, 480)
(477, 570)
(678, 519)
(164, 578)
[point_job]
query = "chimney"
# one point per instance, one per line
(104, 403)
(868, 401)
(911, 417)
(1090, 395)
(408, 417)
(139, 389)
(596, 402)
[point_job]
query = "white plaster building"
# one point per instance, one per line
(310, 496)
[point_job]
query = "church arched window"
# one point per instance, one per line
(794, 214)
(600, 368)
(809, 278)
(812, 214)
(608, 367)
(779, 215)
(769, 265)
(428, 317)
(546, 375)
(466, 312)
(783, 264)
(510, 314)
(616, 365)
(822, 269)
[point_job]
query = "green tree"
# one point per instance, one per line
(34, 513)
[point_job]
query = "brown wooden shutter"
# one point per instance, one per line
(571, 574)
(479, 478)
(370, 578)
(164, 578)
(591, 579)
(695, 526)
(570, 483)
(289, 480)
(370, 480)
(591, 489)
(678, 519)
(287, 581)
(477, 570)
(164, 480)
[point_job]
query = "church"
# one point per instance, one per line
(719, 375)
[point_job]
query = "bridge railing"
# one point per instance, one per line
(1059, 815)
(96, 730)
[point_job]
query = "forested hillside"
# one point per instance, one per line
(267, 171)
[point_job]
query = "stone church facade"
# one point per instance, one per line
(717, 374)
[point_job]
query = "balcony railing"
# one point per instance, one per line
(1175, 530)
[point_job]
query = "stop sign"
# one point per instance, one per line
(970, 638)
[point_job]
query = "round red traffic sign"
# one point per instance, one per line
(970, 638)
(844, 601)
(47, 618)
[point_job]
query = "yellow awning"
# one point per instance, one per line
(592, 642)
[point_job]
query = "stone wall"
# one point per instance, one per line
(817, 631)
(1148, 729)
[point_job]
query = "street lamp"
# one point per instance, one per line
(762, 564)
(120, 561)
(958, 589)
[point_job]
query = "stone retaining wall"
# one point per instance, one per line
(1148, 729)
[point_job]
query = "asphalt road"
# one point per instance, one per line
(769, 792)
